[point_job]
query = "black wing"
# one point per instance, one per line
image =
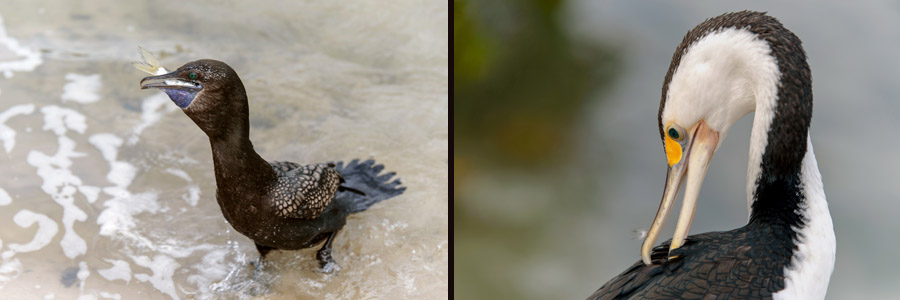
(715, 265)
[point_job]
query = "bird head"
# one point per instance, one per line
(196, 84)
(209, 92)
(717, 76)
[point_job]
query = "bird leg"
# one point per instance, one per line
(259, 263)
(263, 250)
(324, 255)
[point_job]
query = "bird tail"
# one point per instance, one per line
(362, 185)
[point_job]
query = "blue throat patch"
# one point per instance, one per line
(181, 98)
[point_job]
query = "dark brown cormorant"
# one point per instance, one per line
(725, 68)
(278, 205)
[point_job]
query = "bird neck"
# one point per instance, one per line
(813, 244)
(222, 114)
(239, 169)
(784, 187)
(779, 138)
(237, 165)
(776, 181)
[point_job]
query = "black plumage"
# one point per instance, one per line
(747, 262)
(279, 205)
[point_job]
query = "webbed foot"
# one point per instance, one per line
(326, 261)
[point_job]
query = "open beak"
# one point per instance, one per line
(170, 81)
(694, 162)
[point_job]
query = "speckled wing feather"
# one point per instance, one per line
(303, 191)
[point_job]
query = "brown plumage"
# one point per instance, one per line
(303, 191)
(279, 205)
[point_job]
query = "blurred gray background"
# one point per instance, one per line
(557, 155)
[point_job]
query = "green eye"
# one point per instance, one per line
(193, 75)
(673, 133)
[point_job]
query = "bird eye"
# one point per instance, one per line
(673, 133)
(192, 75)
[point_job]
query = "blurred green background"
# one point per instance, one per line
(519, 84)
(557, 158)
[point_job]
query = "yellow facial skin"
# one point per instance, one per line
(673, 151)
(688, 156)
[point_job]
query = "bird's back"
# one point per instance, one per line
(303, 191)
(747, 262)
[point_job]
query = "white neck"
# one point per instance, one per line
(723, 76)
(764, 89)
(750, 78)
(812, 263)
(759, 135)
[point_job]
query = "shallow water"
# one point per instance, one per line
(108, 190)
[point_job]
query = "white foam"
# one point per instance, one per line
(152, 110)
(114, 296)
(82, 88)
(8, 135)
(180, 173)
(120, 173)
(58, 120)
(163, 267)
(212, 268)
(47, 229)
(120, 270)
(110, 296)
(175, 248)
(108, 144)
(5, 199)
(58, 180)
(192, 196)
(89, 192)
(29, 60)
(409, 282)
(61, 185)
(391, 227)
(9, 270)
(117, 219)
(82, 274)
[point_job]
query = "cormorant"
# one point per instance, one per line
(278, 205)
(725, 68)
